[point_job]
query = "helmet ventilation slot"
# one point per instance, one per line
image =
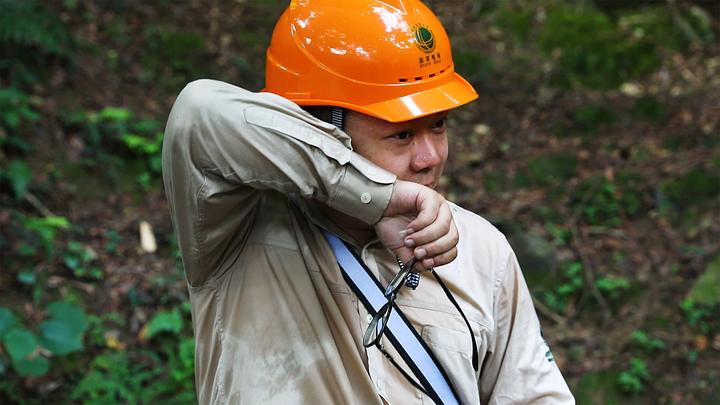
(418, 78)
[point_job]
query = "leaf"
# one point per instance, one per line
(34, 367)
(19, 343)
(707, 288)
(7, 320)
(27, 277)
(163, 321)
(59, 337)
(71, 315)
(19, 174)
(115, 114)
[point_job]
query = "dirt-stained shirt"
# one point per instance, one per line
(247, 176)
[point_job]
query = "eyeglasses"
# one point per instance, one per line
(376, 329)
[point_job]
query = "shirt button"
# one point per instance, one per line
(365, 198)
(369, 318)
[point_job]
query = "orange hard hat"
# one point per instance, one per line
(389, 59)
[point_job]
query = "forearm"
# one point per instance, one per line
(224, 145)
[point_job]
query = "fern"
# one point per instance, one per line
(25, 25)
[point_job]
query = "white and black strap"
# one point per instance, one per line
(400, 332)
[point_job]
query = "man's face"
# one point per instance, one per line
(413, 150)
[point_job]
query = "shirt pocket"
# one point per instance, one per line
(453, 350)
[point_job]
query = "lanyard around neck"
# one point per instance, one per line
(400, 332)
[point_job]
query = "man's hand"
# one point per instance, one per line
(418, 222)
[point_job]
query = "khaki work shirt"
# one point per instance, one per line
(247, 175)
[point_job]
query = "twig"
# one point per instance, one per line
(542, 308)
(29, 197)
(588, 271)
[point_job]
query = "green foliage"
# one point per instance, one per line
(634, 379)
(63, 332)
(181, 365)
(121, 142)
(598, 203)
(633, 188)
(80, 258)
(668, 26)
(592, 117)
(570, 283)
(46, 229)
(641, 338)
(516, 21)
(589, 49)
(163, 321)
(18, 173)
(547, 170)
(24, 25)
(179, 49)
(113, 378)
(703, 317)
(706, 290)
(16, 107)
(612, 287)
(120, 377)
(144, 377)
(695, 187)
(475, 66)
(173, 58)
(649, 109)
(60, 334)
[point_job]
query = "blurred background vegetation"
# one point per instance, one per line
(595, 146)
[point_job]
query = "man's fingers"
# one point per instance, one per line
(441, 260)
(434, 231)
(428, 207)
(438, 246)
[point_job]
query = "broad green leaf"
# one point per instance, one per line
(46, 228)
(7, 320)
(163, 321)
(19, 343)
(19, 174)
(59, 337)
(34, 367)
(71, 315)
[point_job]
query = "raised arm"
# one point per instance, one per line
(224, 144)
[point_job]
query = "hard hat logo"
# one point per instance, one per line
(424, 38)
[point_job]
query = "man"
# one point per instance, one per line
(254, 180)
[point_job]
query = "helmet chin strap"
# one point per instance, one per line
(337, 117)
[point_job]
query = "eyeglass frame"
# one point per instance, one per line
(383, 315)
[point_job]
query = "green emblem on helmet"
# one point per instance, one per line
(424, 38)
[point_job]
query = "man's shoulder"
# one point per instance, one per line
(478, 233)
(473, 222)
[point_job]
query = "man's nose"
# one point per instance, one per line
(427, 152)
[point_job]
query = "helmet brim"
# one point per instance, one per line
(447, 96)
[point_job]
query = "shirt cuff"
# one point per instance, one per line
(364, 191)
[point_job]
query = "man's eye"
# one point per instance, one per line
(440, 124)
(402, 135)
